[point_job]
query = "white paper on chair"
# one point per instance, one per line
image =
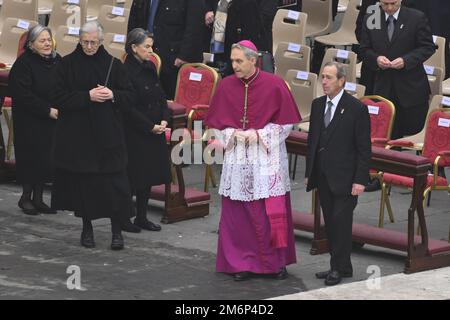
(120, 38)
(73, 1)
(302, 75)
(350, 86)
(294, 15)
(443, 122)
(434, 39)
(73, 31)
(294, 47)
(446, 101)
(343, 54)
(429, 69)
(23, 24)
(194, 76)
(118, 11)
(374, 110)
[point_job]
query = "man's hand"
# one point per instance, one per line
(398, 64)
(240, 136)
(164, 124)
(357, 189)
(251, 136)
(209, 18)
(157, 129)
(53, 113)
(383, 62)
(178, 62)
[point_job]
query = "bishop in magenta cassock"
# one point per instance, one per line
(253, 112)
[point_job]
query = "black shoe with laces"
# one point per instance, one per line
(147, 225)
(127, 226)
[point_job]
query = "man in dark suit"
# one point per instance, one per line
(177, 26)
(337, 164)
(396, 50)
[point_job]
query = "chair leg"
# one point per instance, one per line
(426, 194)
(295, 167)
(206, 185)
(388, 206)
(382, 204)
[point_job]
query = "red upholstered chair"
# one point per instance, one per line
(436, 148)
(156, 61)
(382, 114)
(196, 85)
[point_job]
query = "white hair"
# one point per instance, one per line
(92, 27)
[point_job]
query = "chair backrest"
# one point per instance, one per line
(320, 18)
(115, 44)
(289, 26)
(382, 115)
(114, 19)
(196, 84)
(435, 78)
(349, 19)
(437, 134)
(438, 58)
(156, 61)
(20, 9)
(66, 40)
(13, 29)
(93, 9)
(68, 13)
(124, 3)
(303, 87)
(347, 58)
(291, 56)
(355, 89)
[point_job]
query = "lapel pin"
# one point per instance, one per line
(401, 27)
(342, 111)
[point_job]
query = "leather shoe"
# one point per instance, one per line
(147, 225)
(333, 278)
(283, 274)
(27, 207)
(87, 239)
(242, 276)
(127, 226)
(117, 242)
(373, 185)
(43, 208)
(324, 274)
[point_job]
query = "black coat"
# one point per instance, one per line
(30, 81)
(348, 148)
(148, 159)
(250, 20)
(412, 40)
(89, 136)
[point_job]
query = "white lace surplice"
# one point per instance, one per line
(254, 172)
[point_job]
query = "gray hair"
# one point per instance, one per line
(92, 27)
(249, 53)
(341, 71)
(136, 36)
(34, 33)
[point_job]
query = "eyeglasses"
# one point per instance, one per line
(87, 43)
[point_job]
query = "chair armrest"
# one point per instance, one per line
(401, 143)
(379, 141)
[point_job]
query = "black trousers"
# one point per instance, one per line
(338, 215)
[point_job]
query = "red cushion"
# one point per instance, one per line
(7, 103)
(437, 137)
(176, 109)
(408, 182)
(201, 110)
(191, 195)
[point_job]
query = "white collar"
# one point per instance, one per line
(395, 14)
(336, 99)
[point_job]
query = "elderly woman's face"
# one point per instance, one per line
(90, 42)
(43, 44)
(143, 50)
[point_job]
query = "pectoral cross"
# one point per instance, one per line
(244, 119)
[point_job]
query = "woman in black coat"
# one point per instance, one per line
(145, 125)
(34, 116)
